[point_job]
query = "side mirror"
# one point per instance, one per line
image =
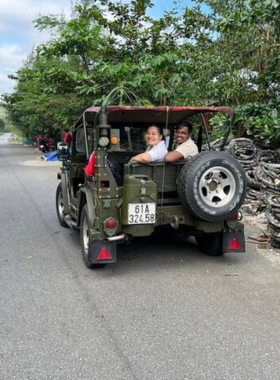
(63, 151)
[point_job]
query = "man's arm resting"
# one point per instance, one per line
(173, 156)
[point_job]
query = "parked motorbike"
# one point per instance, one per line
(44, 146)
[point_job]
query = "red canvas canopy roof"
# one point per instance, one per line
(150, 114)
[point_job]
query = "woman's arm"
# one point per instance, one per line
(142, 157)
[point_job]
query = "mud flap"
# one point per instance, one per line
(103, 252)
(233, 241)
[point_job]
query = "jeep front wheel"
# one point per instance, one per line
(60, 206)
(212, 186)
(86, 240)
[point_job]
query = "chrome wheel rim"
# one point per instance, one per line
(60, 205)
(217, 187)
(85, 236)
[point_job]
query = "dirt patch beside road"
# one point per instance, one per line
(261, 236)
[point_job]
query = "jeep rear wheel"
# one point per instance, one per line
(212, 186)
(86, 240)
(211, 243)
(60, 206)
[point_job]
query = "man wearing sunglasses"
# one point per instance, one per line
(185, 145)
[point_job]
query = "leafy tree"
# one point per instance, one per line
(2, 125)
(228, 55)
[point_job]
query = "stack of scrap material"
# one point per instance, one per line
(262, 169)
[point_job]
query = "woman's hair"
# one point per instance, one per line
(159, 128)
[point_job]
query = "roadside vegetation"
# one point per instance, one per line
(220, 52)
(5, 125)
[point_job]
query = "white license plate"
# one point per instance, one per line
(141, 213)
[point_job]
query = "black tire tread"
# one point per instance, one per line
(87, 258)
(186, 185)
(211, 243)
(61, 220)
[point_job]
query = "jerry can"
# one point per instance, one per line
(138, 212)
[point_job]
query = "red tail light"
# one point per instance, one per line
(233, 218)
(111, 223)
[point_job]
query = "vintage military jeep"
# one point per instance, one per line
(199, 196)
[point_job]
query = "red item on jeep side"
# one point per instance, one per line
(90, 168)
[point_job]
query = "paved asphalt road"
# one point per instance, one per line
(164, 312)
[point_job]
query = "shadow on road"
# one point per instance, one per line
(161, 253)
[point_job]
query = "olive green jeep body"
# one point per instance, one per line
(199, 196)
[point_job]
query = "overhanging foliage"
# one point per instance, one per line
(228, 55)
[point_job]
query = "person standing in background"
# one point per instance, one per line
(67, 137)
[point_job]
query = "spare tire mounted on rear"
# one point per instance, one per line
(212, 186)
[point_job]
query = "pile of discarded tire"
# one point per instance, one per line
(273, 220)
(262, 168)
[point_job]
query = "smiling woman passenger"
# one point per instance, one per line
(156, 149)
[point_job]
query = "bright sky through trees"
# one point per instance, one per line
(18, 35)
